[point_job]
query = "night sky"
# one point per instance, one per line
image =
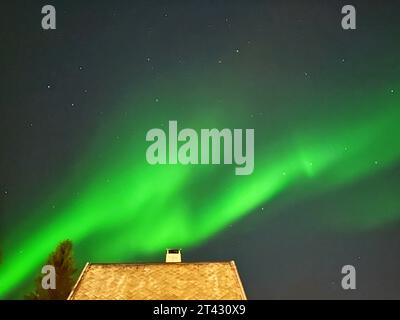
(77, 102)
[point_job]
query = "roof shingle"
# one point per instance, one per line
(159, 281)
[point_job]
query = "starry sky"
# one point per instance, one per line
(77, 102)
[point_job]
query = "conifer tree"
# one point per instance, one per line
(64, 264)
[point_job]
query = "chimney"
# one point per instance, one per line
(173, 255)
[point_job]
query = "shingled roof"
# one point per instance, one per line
(159, 281)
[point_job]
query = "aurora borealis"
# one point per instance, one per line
(324, 104)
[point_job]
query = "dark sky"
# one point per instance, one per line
(76, 103)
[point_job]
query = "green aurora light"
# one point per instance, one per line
(143, 209)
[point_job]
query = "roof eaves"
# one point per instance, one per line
(240, 284)
(78, 282)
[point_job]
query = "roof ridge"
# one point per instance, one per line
(154, 263)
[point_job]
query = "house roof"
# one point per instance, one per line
(159, 281)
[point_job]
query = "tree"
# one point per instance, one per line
(64, 264)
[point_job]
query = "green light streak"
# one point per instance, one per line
(144, 209)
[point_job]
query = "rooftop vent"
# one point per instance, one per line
(173, 255)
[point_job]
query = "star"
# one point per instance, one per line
(48, 86)
(237, 50)
(80, 68)
(219, 61)
(391, 91)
